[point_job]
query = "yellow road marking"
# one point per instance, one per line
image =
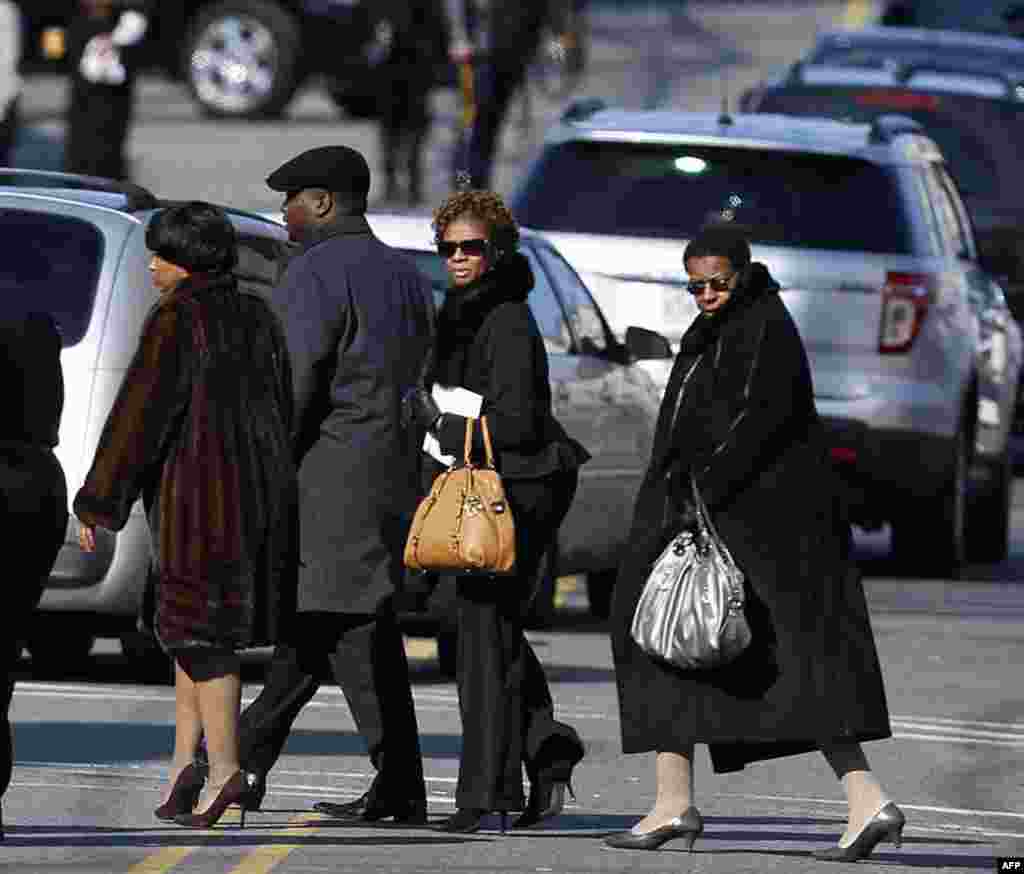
(857, 12)
(264, 858)
(161, 861)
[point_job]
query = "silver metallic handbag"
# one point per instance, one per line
(690, 612)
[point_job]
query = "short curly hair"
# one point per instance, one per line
(483, 206)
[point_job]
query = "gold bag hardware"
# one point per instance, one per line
(465, 523)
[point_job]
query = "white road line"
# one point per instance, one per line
(926, 808)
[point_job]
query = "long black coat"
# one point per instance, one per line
(748, 430)
(358, 318)
(200, 429)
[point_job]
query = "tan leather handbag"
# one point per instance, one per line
(465, 524)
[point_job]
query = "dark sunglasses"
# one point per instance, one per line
(473, 248)
(717, 283)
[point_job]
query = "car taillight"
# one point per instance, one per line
(905, 301)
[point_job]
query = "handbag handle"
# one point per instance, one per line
(467, 445)
(708, 529)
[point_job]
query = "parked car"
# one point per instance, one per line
(966, 90)
(243, 58)
(914, 355)
(75, 247)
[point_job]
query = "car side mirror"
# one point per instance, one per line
(642, 344)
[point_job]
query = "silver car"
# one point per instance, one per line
(914, 355)
(79, 253)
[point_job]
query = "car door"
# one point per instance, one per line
(610, 407)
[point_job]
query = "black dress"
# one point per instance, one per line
(489, 343)
(33, 493)
(747, 429)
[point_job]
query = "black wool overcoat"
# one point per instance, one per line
(200, 429)
(358, 316)
(747, 429)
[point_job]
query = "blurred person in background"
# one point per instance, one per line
(201, 431)
(497, 40)
(105, 40)
(1014, 18)
(33, 493)
(414, 39)
(489, 343)
(10, 81)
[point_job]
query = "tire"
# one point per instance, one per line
(929, 537)
(257, 35)
(599, 593)
(988, 527)
(447, 649)
(58, 649)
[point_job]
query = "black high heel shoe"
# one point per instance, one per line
(234, 791)
(547, 799)
(468, 819)
(886, 825)
(253, 799)
(184, 794)
(689, 826)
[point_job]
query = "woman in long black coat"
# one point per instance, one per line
(200, 429)
(738, 416)
(489, 343)
(33, 493)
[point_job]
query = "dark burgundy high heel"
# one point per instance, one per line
(234, 791)
(184, 794)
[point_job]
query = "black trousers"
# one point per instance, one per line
(494, 89)
(366, 656)
(507, 712)
(404, 124)
(33, 517)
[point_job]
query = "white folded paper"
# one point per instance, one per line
(458, 401)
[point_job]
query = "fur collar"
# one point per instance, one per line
(755, 282)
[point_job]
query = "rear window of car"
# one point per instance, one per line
(982, 16)
(781, 198)
(50, 264)
(978, 138)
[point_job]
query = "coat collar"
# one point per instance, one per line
(198, 284)
(343, 225)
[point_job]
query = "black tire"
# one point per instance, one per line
(211, 92)
(58, 648)
(447, 651)
(146, 661)
(929, 537)
(988, 520)
(599, 593)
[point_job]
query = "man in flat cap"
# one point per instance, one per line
(358, 318)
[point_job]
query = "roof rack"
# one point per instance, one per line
(136, 196)
(582, 108)
(885, 128)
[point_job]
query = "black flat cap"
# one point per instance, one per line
(336, 168)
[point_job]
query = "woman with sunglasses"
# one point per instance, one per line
(738, 420)
(488, 342)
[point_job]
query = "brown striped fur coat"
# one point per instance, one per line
(201, 431)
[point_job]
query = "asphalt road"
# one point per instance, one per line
(92, 744)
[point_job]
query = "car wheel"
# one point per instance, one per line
(988, 530)
(599, 593)
(241, 59)
(929, 537)
(57, 649)
(447, 646)
(146, 660)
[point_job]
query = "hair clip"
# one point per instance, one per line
(463, 181)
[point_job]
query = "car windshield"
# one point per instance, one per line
(979, 138)
(781, 198)
(50, 264)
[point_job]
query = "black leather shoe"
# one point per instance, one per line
(547, 798)
(886, 825)
(369, 809)
(253, 799)
(467, 820)
(689, 827)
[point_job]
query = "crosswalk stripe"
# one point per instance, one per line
(161, 861)
(266, 857)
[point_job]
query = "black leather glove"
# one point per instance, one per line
(420, 408)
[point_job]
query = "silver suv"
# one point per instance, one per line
(914, 354)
